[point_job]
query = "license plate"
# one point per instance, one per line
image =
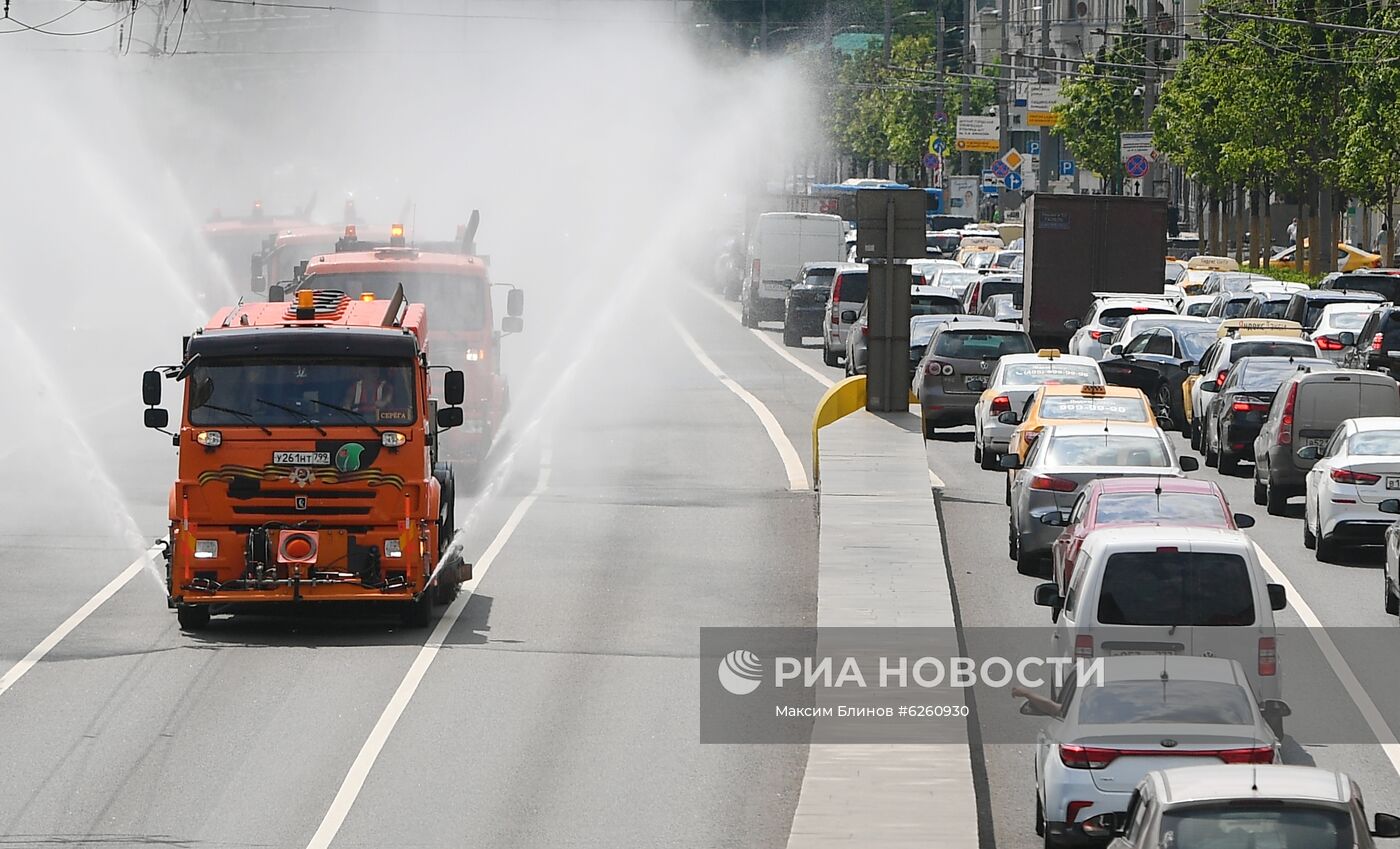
(1139, 653)
(301, 458)
(967, 381)
(1319, 441)
(1392, 481)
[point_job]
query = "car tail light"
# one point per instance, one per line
(1001, 404)
(1096, 335)
(1046, 482)
(1220, 378)
(1285, 427)
(1377, 341)
(1084, 646)
(1329, 343)
(1349, 476)
(835, 287)
(1268, 656)
(1249, 407)
(865, 330)
(1252, 755)
(1031, 436)
(1073, 808)
(1086, 757)
(933, 368)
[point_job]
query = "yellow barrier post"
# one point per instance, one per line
(840, 400)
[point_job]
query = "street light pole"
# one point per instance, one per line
(1043, 171)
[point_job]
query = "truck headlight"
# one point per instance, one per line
(393, 439)
(476, 355)
(392, 548)
(206, 549)
(209, 438)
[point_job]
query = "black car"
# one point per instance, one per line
(1377, 345)
(1306, 307)
(1385, 285)
(1267, 305)
(1236, 411)
(805, 303)
(1157, 361)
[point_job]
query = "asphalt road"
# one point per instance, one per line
(561, 709)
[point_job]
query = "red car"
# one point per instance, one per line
(1116, 502)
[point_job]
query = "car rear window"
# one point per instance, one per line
(1323, 404)
(1272, 349)
(1091, 407)
(1176, 588)
(1199, 309)
(854, 285)
(981, 344)
(1000, 287)
(1315, 308)
(1196, 508)
(1112, 450)
(1272, 309)
(1382, 284)
(1265, 377)
(1263, 823)
(1115, 316)
(1347, 320)
(933, 305)
(1177, 700)
(1036, 374)
(820, 277)
(1375, 443)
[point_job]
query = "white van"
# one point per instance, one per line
(781, 243)
(1172, 590)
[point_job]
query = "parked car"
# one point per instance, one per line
(848, 292)
(1236, 410)
(1121, 502)
(1157, 362)
(1011, 383)
(961, 354)
(1338, 328)
(1060, 463)
(1173, 591)
(1352, 474)
(1093, 333)
(1101, 738)
(1287, 807)
(1305, 412)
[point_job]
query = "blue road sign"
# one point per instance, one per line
(931, 160)
(988, 176)
(1137, 165)
(1012, 180)
(940, 146)
(989, 188)
(1000, 169)
(1067, 168)
(1033, 147)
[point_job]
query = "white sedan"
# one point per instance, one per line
(1356, 470)
(1015, 379)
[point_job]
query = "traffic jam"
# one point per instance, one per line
(1095, 418)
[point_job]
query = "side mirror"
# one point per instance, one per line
(1073, 324)
(1009, 418)
(156, 418)
(1347, 338)
(977, 384)
(150, 388)
(454, 388)
(1275, 707)
(1244, 520)
(1054, 518)
(512, 324)
(1048, 595)
(515, 303)
(1309, 452)
(276, 293)
(1387, 825)
(1278, 596)
(1193, 369)
(449, 417)
(1390, 505)
(259, 282)
(1116, 350)
(1209, 386)
(1105, 826)
(1009, 462)
(1188, 464)
(848, 316)
(1030, 708)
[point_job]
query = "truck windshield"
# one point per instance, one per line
(301, 392)
(454, 301)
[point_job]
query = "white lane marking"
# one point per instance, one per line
(777, 349)
(1358, 694)
(29, 661)
(364, 762)
(792, 462)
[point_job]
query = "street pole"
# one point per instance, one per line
(1042, 183)
(1004, 91)
(938, 100)
(889, 28)
(1149, 102)
(965, 157)
(763, 28)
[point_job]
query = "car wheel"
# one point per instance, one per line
(928, 430)
(1030, 564)
(829, 356)
(1008, 489)
(1013, 551)
(1275, 502)
(1226, 462)
(1260, 493)
(976, 450)
(1039, 817)
(850, 371)
(1195, 436)
(1212, 456)
(1309, 539)
(1392, 603)
(1162, 400)
(745, 314)
(1327, 549)
(792, 336)
(1274, 720)
(990, 460)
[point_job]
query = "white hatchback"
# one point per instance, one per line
(1356, 470)
(1015, 379)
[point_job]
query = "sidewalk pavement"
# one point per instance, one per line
(881, 565)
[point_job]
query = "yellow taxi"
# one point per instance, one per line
(1198, 268)
(1055, 404)
(1241, 327)
(1349, 257)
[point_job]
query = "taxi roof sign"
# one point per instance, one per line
(1093, 389)
(1049, 353)
(1259, 326)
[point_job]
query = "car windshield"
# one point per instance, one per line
(933, 305)
(1175, 700)
(1375, 443)
(1172, 587)
(1194, 508)
(1096, 407)
(1247, 823)
(1036, 374)
(981, 344)
(1272, 349)
(302, 392)
(1115, 316)
(454, 301)
(1107, 450)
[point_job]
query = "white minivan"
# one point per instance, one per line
(781, 243)
(1172, 590)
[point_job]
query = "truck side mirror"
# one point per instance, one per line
(156, 418)
(259, 282)
(276, 293)
(454, 388)
(150, 388)
(449, 417)
(515, 303)
(512, 324)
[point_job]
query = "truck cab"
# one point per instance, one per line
(308, 459)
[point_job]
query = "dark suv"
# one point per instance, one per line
(1385, 285)
(953, 372)
(1377, 345)
(806, 302)
(1306, 307)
